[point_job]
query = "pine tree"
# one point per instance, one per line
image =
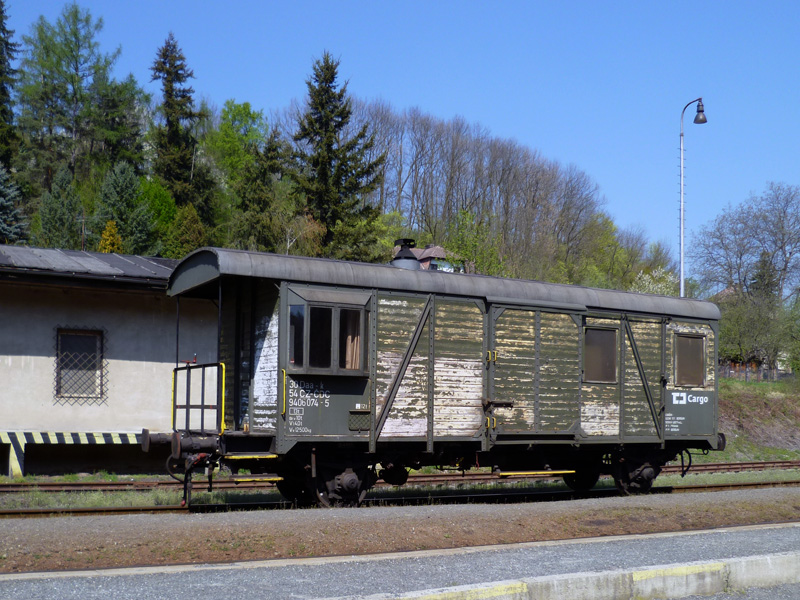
(9, 139)
(59, 214)
(110, 241)
(333, 171)
(121, 202)
(185, 234)
(12, 226)
(115, 122)
(177, 163)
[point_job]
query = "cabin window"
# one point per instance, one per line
(319, 347)
(349, 339)
(297, 319)
(326, 339)
(689, 360)
(79, 366)
(600, 355)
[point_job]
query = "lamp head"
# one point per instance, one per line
(700, 117)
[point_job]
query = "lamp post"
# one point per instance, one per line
(699, 118)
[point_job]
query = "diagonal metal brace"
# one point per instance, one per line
(643, 377)
(391, 394)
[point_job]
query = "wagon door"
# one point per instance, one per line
(534, 365)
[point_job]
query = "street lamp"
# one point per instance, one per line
(699, 118)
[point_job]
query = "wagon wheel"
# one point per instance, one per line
(346, 488)
(582, 480)
(633, 478)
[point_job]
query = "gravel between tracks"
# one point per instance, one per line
(67, 543)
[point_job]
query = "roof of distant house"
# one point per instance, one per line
(429, 251)
(46, 264)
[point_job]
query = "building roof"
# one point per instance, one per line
(44, 264)
(206, 265)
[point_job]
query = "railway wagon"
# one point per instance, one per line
(332, 375)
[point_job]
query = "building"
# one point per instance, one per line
(87, 348)
(431, 257)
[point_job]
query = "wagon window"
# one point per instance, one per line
(349, 339)
(319, 346)
(600, 355)
(327, 338)
(297, 317)
(689, 362)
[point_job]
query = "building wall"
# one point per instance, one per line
(139, 346)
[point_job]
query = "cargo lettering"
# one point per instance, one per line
(687, 398)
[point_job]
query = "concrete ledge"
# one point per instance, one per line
(667, 581)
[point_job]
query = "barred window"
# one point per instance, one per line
(79, 365)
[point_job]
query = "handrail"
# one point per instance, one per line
(219, 404)
(283, 412)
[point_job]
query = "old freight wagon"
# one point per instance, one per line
(331, 375)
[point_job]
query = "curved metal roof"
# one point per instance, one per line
(207, 264)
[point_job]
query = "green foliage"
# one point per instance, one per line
(177, 163)
(333, 171)
(59, 213)
(12, 224)
(61, 64)
(9, 139)
(753, 328)
(242, 132)
(186, 233)
(121, 202)
(160, 203)
(473, 245)
(115, 115)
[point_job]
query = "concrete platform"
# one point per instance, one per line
(672, 565)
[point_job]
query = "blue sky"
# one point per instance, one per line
(597, 84)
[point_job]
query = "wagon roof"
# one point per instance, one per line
(206, 265)
(41, 264)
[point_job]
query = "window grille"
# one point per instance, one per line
(81, 367)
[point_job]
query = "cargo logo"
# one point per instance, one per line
(684, 398)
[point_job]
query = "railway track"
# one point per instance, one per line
(415, 479)
(480, 496)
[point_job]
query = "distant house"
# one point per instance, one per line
(434, 258)
(87, 348)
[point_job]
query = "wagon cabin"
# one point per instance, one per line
(331, 375)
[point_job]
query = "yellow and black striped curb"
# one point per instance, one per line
(17, 440)
(667, 581)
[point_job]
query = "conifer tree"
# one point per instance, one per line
(177, 164)
(186, 233)
(121, 202)
(9, 140)
(12, 226)
(333, 171)
(110, 241)
(59, 214)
